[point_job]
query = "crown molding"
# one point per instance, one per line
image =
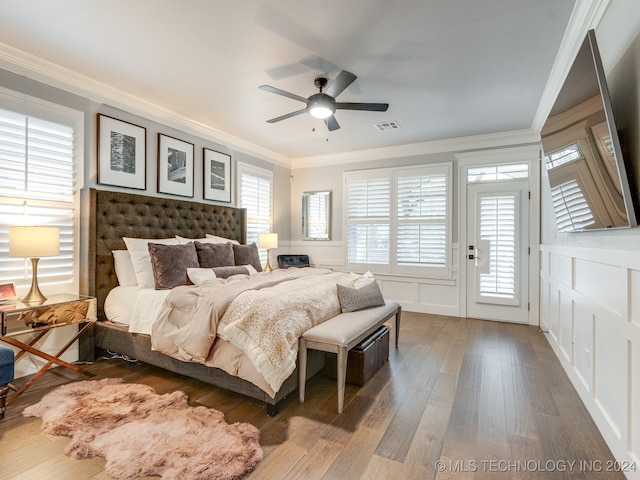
(28, 65)
(475, 142)
(586, 15)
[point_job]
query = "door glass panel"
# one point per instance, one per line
(498, 231)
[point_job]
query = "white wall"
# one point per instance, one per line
(590, 282)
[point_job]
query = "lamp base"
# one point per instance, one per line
(267, 267)
(34, 295)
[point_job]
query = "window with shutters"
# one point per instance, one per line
(399, 220)
(39, 185)
(568, 172)
(256, 196)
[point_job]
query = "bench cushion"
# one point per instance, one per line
(6, 365)
(346, 327)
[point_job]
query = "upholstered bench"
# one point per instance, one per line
(6, 376)
(339, 335)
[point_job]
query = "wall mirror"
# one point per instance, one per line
(316, 215)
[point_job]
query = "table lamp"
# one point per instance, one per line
(268, 241)
(34, 242)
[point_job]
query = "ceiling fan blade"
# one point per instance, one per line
(342, 81)
(371, 107)
(332, 123)
(288, 115)
(269, 88)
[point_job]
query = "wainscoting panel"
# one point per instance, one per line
(589, 311)
(439, 296)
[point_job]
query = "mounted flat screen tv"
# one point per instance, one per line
(582, 157)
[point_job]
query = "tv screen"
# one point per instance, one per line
(582, 157)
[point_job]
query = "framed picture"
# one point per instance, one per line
(7, 292)
(217, 175)
(122, 153)
(175, 166)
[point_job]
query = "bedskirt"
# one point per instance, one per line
(108, 336)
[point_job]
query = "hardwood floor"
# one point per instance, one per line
(471, 398)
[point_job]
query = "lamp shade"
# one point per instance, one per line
(34, 241)
(268, 240)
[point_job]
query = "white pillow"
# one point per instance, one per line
(183, 240)
(124, 268)
(139, 252)
(216, 239)
(251, 268)
(364, 279)
(200, 275)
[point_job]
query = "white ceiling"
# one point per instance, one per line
(448, 68)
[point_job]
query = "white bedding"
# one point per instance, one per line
(138, 307)
(135, 306)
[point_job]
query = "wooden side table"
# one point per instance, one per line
(18, 319)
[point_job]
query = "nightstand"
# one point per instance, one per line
(18, 319)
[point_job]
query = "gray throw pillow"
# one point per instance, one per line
(169, 264)
(226, 272)
(247, 255)
(353, 299)
(212, 255)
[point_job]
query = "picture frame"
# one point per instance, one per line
(175, 166)
(216, 168)
(122, 153)
(8, 292)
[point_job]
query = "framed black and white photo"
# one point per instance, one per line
(217, 175)
(122, 153)
(175, 166)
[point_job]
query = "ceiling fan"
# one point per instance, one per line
(323, 105)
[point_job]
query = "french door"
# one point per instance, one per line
(497, 250)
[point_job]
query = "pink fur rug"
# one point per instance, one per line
(141, 433)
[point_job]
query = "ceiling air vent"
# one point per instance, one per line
(384, 126)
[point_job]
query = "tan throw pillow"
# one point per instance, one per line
(170, 263)
(353, 299)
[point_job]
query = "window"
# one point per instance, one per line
(398, 220)
(256, 197)
(38, 186)
(570, 207)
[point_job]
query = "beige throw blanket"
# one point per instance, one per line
(263, 316)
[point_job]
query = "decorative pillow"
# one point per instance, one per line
(214, 254)
(216, 239)
(140, 258)
(170, 264)
(200, 275)
(124, 268)
(247, 254)
(353, 299)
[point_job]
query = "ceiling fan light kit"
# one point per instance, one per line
(323, 105)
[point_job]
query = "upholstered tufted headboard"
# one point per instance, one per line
(114, 215)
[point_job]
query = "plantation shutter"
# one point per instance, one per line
(368, 221)
(399, 220)
(255, 196)
(38, 187)
(570, 206)
(498, 230)
(422, 220)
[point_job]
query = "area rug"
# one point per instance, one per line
(141, 433)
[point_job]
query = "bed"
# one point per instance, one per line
(114, 215)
